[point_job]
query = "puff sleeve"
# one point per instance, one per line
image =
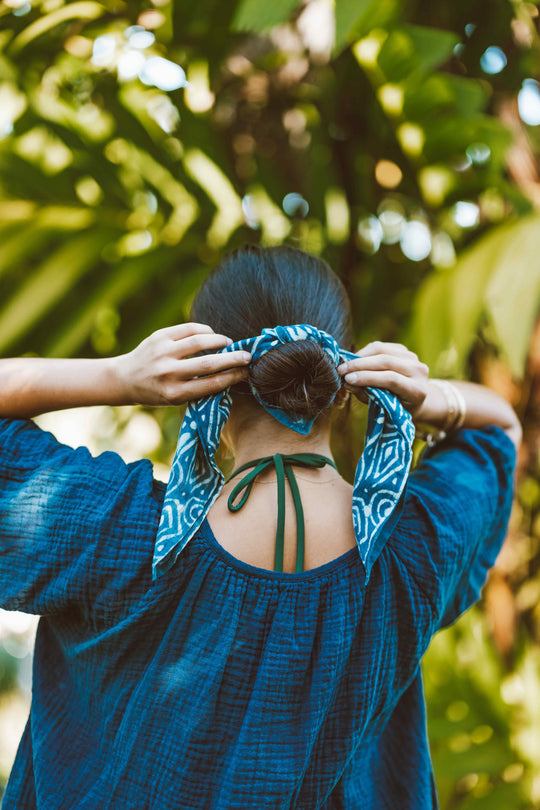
(459, 500)
(75, 530)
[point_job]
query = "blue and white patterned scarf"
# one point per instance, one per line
(196, 481)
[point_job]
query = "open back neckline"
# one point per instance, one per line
(283, 464)
(343, 561)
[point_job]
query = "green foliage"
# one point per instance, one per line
(481, 756)
(164, 173)
(350, 20)
(251, 15)
(498, 276)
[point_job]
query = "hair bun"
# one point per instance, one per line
(298, 377)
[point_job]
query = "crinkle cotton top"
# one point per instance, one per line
(222, 685)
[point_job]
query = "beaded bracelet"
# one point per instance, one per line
(430, 437)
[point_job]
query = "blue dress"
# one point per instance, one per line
(222, 686)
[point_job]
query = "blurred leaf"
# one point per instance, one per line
(432, 46)
(19, 243)
(398, 57)
(348, 16)
(513, 292)
(427, 97)
(8, 670)
(48, 283)
(500, 275)
(461, 293)
(252, 15)
(121, 282)
(413, 48)
(438, 92)
(220, 190)
(452, 135)
(83, 10)
(173, 307)
(430, 331)
(470, 94)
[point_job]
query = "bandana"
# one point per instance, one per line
(196, 481)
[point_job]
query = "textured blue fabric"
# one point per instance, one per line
(223, 686)
(196, 481)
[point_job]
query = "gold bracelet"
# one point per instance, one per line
(452, 404)
(456, 404)
(462, 407)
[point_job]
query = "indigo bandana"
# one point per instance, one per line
(196, 481)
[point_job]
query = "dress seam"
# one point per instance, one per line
(347, 560)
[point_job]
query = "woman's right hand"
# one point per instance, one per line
(162, 369)
(391, 366)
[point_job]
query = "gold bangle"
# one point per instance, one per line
(457, 408)
(462, 407)
(447, 389)
(456, 404)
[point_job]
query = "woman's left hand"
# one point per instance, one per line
(391, 366)
(167, 369)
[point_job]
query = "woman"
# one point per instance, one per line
(191, 655)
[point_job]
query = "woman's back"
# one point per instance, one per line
(223, 685)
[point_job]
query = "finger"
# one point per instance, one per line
(211, 364)
(184, 330)
(381, 362)
(382, 347)
(400, 385)
(202, 342)
(205, 386)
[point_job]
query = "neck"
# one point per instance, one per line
(262, 435)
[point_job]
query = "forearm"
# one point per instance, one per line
(484, 407)
(166, 368)
(33, 385)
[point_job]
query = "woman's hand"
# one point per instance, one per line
(391, 366)
(159, 371)
(162, 370)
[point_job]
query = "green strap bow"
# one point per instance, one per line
(283, 465)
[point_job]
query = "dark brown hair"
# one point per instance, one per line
(254, 288)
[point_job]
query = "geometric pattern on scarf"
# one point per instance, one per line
(196, 481)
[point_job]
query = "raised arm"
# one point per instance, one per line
(394, 367)
(484, 407)
(159, 371)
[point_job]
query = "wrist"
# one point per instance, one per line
(434, 409)
(117, 380)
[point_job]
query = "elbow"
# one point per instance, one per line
(514, 431)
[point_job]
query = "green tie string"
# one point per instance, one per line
(283, 465)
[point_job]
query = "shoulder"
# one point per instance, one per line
(101, 485)
(76, 527)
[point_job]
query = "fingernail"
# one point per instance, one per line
(351, 378)
(246, 356)
(343, 368)
(229, 341)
